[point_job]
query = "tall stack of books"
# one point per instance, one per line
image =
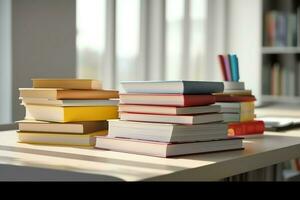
(169, 118)
(238, 108)
(66, 111)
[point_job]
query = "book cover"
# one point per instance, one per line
(172, 87)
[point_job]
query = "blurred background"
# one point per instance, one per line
(117, 40)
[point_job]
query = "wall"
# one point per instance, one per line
(5, 61)
(43, 43)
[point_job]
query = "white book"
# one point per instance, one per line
(174, 119)
(162, 149)
(68, 102)
(232, 85)
(167, 132)
(60, 138)
(169, 110)
(236, 107)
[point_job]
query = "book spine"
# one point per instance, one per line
(246, 128)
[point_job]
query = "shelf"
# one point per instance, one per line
(281, 50)
(285, 99)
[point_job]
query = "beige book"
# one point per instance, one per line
(54, 93)
(83, 84)
(60, 139)
(52, 127)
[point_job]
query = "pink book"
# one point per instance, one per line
(228, 70)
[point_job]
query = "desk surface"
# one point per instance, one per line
(107, 165)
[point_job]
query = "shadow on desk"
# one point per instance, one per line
(9, 173)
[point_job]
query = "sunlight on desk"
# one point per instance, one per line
(259, 152)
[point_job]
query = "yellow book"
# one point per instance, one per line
(60, 138)
(244, 117)
(71, 114)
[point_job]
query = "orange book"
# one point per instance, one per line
(80, 84)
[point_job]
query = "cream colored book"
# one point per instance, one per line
(56, 94)
(52, 127)
(60, 138)
(69, 102)
(83, 84)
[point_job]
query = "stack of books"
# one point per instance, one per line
(169, 118)
(238, 108)
(66, 111)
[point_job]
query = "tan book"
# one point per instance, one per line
(54, 93)
(60, 139)
(52, 127)
(80, 84)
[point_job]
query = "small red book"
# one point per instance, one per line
(230, 98)
(246, 128)
(167, 99)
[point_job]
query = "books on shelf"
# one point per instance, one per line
(281, 29)
(163, 149)
(171, 132)
(53, 127)
(282, 81)
(167, 99)
(63, 94)
(60, 138)
(83, 84)
(172, 87)
(169, 110)
(71, 114)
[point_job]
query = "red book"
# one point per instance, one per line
(230, 98)
(246, 128)
(223, 67)
(167, 99)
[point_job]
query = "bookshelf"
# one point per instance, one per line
(280, 52)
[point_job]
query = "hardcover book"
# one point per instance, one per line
(173, 87)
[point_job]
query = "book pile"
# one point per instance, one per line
(281, 28)
(66, 111)
(238, 108)
(169, 118)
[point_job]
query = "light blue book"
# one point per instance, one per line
(234, 67)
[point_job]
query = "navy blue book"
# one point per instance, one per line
(173, 87)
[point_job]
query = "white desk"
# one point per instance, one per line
(38, 162)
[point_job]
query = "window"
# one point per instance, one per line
(184, 30)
